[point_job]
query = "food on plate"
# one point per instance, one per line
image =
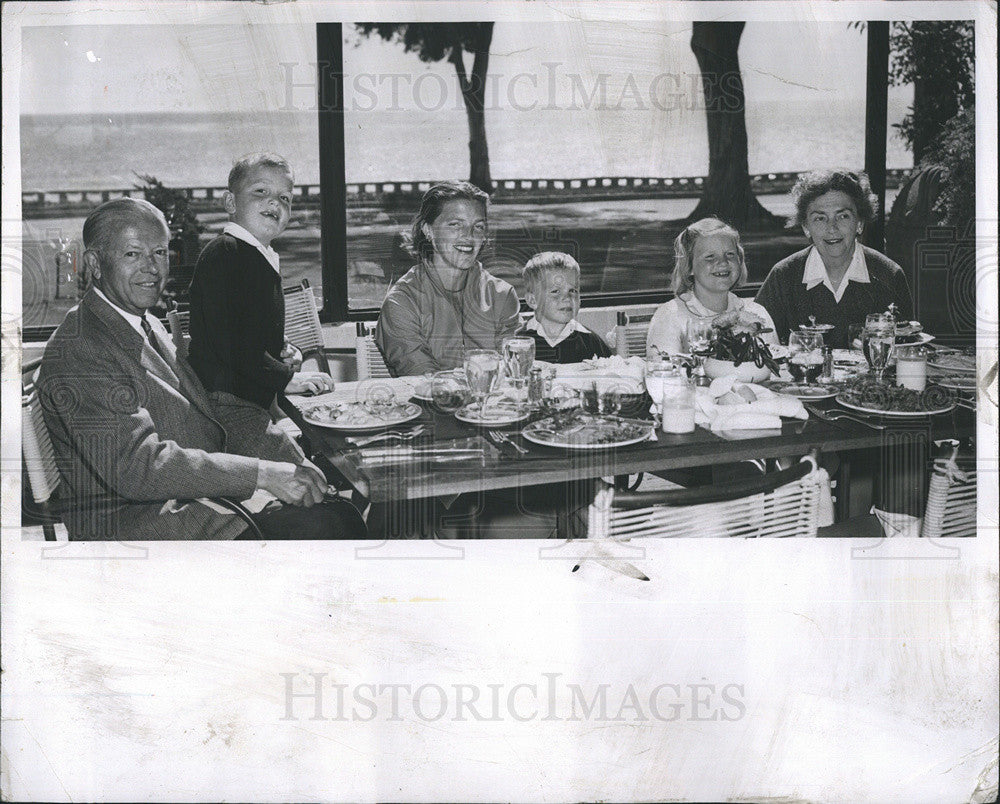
(359, 414)
(867, 393)
(908, 331)
(964, 362)
(577, 428)
(815, 391)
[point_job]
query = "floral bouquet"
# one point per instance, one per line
(736, 338)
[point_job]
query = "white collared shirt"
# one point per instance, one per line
(267, 252)
(134, 321)
(815, 273)
(571, 327)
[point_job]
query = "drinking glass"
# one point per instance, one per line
(518, 356)
(481, 369)
(805, 356)
(600, 400)
(449, 391)
(878, 340)
(659, 372)
(699, 338)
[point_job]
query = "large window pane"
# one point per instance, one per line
(101, 104)
(571, 102)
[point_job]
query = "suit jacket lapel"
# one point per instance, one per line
(170, 369)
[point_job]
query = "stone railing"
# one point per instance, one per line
(53, 203)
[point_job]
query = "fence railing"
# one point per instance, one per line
(50, 203)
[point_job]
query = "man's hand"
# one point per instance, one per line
(309, 382)
(291, 355)
(296, 485)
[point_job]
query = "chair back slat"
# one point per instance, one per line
(370, 363)
(36, 449)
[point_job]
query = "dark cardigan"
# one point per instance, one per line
(238, 322)
(575, 348)
(790, 303)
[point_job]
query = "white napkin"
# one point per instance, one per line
(763, 414)
(624, 375)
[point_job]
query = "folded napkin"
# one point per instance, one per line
(763, 414)
(619, 373)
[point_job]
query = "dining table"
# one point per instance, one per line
(508, 460)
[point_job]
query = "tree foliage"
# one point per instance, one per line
(955, 151)
(938, 58)
(438, 41)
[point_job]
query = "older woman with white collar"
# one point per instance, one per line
(837, 280)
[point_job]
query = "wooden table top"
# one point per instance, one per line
(504, 467)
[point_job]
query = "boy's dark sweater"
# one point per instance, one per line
(238, 322)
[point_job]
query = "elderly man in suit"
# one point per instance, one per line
(133, 426)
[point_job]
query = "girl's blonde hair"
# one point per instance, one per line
(682, 279)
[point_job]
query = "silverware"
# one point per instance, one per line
(361, 441)
(836, 415)
(503, 438)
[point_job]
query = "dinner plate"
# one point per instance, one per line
(901, 413)
(956, 382)
(356, 416)
(802, 391)
(955, 362)
(586, 432)
(494, 415)
(916, 339)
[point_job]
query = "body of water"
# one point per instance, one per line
(92, 152)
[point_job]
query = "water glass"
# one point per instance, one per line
(482, 366)
(518, 355)
(600, 401)
(878, 340)
(449, 391)
(699, 339)
(805, 356)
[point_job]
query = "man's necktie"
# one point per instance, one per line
(148, 329)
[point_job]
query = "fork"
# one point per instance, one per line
(408, 436)
(836, 415)
(503, 438)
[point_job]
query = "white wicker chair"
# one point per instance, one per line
(951, 502)
(39, 462)
(179, 321)
(780, 504)
(302, 326)
(630, 334)
(370, 362)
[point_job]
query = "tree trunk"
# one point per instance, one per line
(474, 95)
(727, 193)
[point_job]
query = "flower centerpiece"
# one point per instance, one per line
(737, 349)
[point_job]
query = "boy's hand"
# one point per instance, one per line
(291, 356)
(309, 382)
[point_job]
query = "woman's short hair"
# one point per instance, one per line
(416, 242)
(682, 278)
(105, 222)
(536, 267)
(812, 185)
(248, 162)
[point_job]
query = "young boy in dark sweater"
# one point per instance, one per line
(552, 285)
(238, 346)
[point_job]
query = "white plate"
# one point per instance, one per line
(354, 416)
(953, 362)
(902, 413)
(423, 385)
(530, 433)
(956, 382)
(495, 416)
(919, 339)
(818, 391)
